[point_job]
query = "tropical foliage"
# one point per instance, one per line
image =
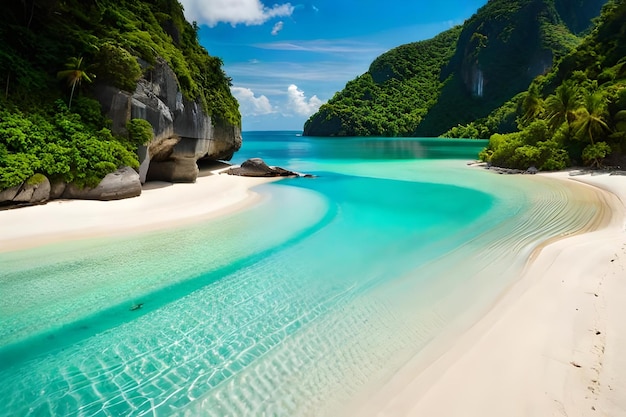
(140, 131)
(456, 81)
(501, 49)
(75, 72)
(63, 49)
(58, 144)
(580, 106)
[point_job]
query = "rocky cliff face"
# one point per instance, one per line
(501, 49)
(462, 75)
(183, 133)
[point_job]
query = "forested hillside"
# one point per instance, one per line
(575, 114)
(459, 76)
(392, 98)
(52, 56)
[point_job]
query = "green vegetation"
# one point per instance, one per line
(140, 131)
(499, 52)
(117, 66)
(58, 144)
(463, 83)
(576, 113)
(75, 72)
(36, 179)
(392, 97)
(53, 50)
(534, 76)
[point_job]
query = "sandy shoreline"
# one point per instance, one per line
(551, 346)
(160, 205)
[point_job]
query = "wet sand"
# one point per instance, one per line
(551, 345)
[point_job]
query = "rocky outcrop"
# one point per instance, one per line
(57, 189)
(256, 167)
(183, 132)
(123, 183)
(174, 170)
(35, 190)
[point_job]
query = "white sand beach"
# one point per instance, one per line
(160, 205)
(551, 346)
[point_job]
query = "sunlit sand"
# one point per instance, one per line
(550, 345)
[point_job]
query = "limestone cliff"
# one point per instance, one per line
(71, 67)
(183, 132)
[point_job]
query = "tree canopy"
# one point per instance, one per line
(581, 103)
(47, 46)
(465, 74)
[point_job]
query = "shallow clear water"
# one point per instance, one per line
(293, 307)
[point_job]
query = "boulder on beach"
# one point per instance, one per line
(34, 190)
(123, 183)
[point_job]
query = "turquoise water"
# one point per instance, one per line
(290, 308)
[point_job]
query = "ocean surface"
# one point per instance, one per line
(293, 307)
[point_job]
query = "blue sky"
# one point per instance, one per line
(286, 59)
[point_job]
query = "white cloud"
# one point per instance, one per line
(299, 103)
(274, 74)
(324, 46)
(277, 28)
(249, 104)
(248, 12)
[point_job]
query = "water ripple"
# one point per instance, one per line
(303, 329)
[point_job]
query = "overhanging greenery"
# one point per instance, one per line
(576, 114)
(109, 38)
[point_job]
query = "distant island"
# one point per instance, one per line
(545, 80)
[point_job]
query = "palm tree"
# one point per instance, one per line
(532, 105)
(562, 105)
(591, 117)
(75, 73)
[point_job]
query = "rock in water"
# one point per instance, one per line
(256, 167)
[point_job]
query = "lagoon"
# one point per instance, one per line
(296, 306)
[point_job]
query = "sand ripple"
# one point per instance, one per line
(259, 342)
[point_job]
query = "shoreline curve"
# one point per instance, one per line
(161, 205)
(550, 345)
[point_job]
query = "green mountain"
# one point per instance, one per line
(392, 98)
(426, 88)
(576, 113)
(85, 84)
